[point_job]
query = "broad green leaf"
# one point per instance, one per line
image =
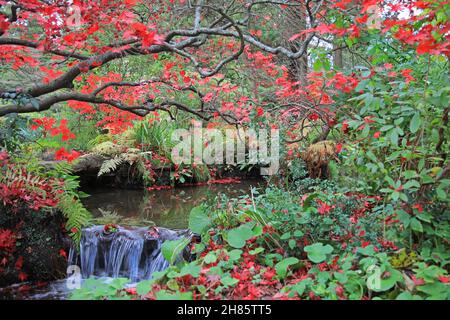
(143, 287)
(285, 236)
(210, 257)
(394, 136)
(415, 123)
(298, 233)
(256, 251)
(191, 268)
(235, 254)
(416, 225)
(199, 220)
(410, 184)
(380, 284)
(171, 249)
(238, 236)
(292, 244)
(367, 251)
(165, 295)
(282, 266)
(229, 281)
(317, 252)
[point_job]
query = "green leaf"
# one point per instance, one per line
(292, 244)
(298, 233)
(192, 268)
(143, 287)
(199, 248)
(410, 184)
(285, 236)
(414, 125)
(235, 254)
(171, 249)
(395, 195)
(282, 266)
(165, 295)
(256, 251)
(237, 237)
(367, 251)
(257, 231)
(317, 252)
(442, 195)
(383, 284)
(210, 258)
(416, 225)
(436, 290)
(198, 220)
(341, 277)
(405, 296)
(229, 281)
(394, 136)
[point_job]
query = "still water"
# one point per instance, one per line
(168, 208)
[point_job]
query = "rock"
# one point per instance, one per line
(90, 162)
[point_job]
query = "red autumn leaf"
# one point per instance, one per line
(19, 263)
(323, 208)
(259, 111)
(63, 253)
(22, 276)
(62, 154)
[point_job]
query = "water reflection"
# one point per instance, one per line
(167, 208)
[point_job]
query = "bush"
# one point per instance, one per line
(38, 245)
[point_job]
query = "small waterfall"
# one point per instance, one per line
(134, 253)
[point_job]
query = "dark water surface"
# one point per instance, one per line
(167, 208)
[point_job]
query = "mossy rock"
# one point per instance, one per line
(90, 162)
(127, 138)
(108, 149)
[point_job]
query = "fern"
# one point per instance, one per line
(98, 140)
(112, 217)
(110, 165)
(62, 168)
(15, 178)
(132, 156)
(67, 195)
(76, 214)
(107, 217)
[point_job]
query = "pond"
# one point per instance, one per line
(168, 208)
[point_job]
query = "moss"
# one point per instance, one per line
(108, 148)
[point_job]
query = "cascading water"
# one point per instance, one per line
(134, 253)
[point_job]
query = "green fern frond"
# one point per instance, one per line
(98, 140)
(76, 214)
(110, 165)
